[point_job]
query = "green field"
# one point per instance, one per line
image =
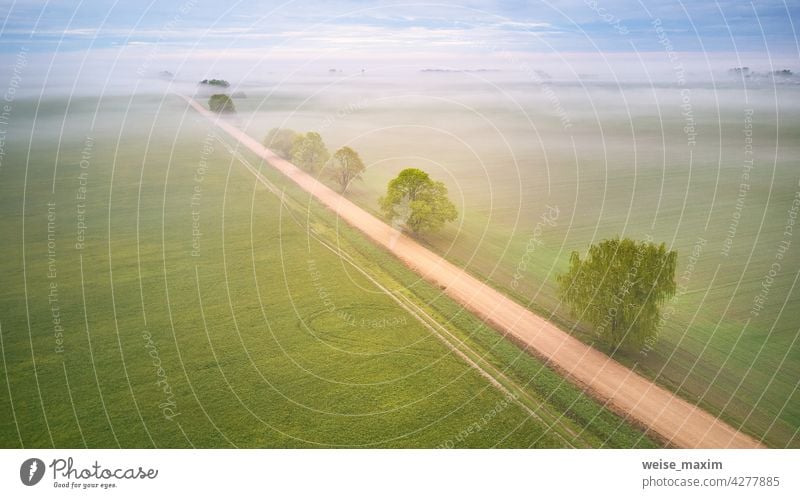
(623, 167)
(155, 294)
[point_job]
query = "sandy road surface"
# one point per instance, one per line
(663, 413)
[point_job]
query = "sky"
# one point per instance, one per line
(564, 38)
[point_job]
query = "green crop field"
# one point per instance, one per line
(635, 160)
(155, 294)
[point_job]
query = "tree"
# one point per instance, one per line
(619, 288)
(280, 140)
(216, 82)
(309, 151)
(221, 103)
(419, 202)
(347, 166)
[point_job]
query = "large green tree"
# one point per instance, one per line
(281, 140)
(417, 201)
(309, 151)
(619, 288)
(221, 103)
(347, 166)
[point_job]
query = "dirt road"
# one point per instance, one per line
(669, 417)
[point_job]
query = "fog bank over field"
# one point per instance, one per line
(139, 68)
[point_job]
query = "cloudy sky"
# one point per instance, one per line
(463, 34)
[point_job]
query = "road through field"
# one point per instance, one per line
(663, 413)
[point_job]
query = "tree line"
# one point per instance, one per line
(309, 152)
(413, 199)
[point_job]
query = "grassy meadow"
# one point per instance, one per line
(156, 295)
(630, 160)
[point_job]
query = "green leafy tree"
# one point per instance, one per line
(221, 103)
(619, 288)
(281, 140)
(417, 201)
(347, 166)
(309, 151)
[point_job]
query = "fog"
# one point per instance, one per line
(618, 144)
(134, 68)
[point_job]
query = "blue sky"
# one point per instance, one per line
(457, 33)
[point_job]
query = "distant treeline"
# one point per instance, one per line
(215, 82)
